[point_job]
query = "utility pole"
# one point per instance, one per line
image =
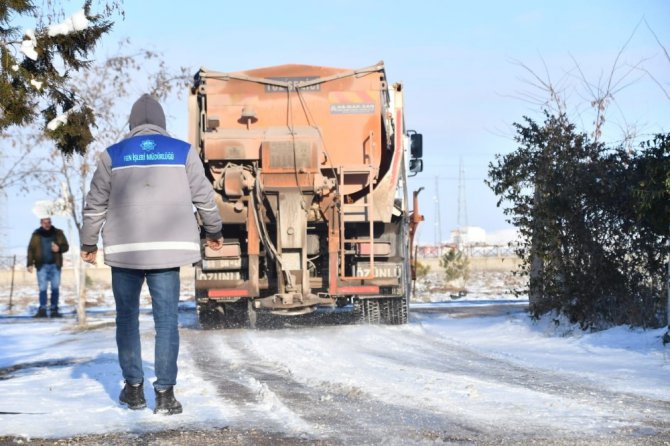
(438, 218)
(462, 211)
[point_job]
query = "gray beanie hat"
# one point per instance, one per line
(146, 110)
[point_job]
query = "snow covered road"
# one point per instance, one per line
(451, 376)
(427, 380)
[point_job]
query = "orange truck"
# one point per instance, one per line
(310, 166)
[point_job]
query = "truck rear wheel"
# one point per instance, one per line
(367, 311)
(394, 310)
(226, 315)
(210, 315)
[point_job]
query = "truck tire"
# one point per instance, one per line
(367, 311)
(214, 315)
(210, 315)
(394, 311)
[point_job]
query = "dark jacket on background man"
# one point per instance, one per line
(36, 255)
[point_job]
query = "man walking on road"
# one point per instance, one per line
(45, 251)
(143, 191)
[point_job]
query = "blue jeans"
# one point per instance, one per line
(48, 273)
(164, 289)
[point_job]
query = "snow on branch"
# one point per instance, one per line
(29, 45)
(59, 120)
(74, 23)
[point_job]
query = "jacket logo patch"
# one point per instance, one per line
(148, 144)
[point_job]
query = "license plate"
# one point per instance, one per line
(382, 270)
(220, 275)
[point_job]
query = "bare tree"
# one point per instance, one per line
(594, 95)
(603, 92)
(546, 93)
(664, 88)
(19, 165)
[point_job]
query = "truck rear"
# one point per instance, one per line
(309, 166)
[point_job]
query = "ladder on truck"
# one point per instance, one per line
(364, 210)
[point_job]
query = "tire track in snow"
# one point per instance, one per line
(336, 412)
(449, 357)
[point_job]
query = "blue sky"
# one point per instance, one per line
(455, 60)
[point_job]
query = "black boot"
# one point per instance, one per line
(55, 313)
(133, 396)
(42, 312)
(166, 402)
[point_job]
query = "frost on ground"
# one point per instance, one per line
(481, 284)
(24, 302)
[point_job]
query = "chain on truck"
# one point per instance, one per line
(310, 166)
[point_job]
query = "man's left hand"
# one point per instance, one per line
(89, 257)
(54, 247)
(215, 244)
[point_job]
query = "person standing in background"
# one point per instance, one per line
(45, 252)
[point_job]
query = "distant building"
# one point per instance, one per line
(433, 250)
(468, 236)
